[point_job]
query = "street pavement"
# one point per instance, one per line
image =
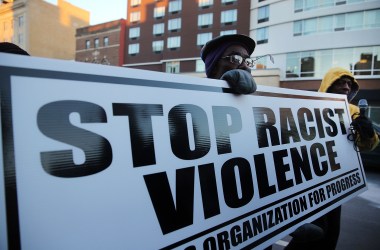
(360, 228)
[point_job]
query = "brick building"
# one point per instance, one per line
(167, 35)
(102, 43)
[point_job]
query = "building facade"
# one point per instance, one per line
(167, 35)
(41, 28)
(306, 38)
(102, 43)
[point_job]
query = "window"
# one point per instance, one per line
(310, 4)
(105, 41)
(292, 65)
(324, 24)
(133, 49)
(172, 67)
(376, 60)
(340, 21)
(88, 44)
(135, 16)
(354, 20)
(298, 5)
(134, 33)
(342, 57)
(363, 58)
(261, 63)
(175, 6)
(158, 29)
(174, 42)
(304, 5)
(135, 3)
(205, 3)
(228, 32)
(205, 20)
(200, 66)
(297, 28)
(263, 15)
(158, 46)
(203, 38)
(349, 21)
(229, 16)
(372, 19)
(20, 39)
(174, 24)
(228, 1)
(159, 12)
(326, 3)
(307, 64)
(310, 26)
(360, 61)
(262, 35)
(300, 64)
(20, 21)
(96, 43)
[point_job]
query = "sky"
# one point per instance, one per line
(100, 11)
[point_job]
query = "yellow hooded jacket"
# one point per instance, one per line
(331, 76)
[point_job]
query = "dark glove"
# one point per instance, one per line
(364, 127)
(240, 81)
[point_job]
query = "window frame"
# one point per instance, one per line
(173, 42)
(203, 38)
(230, 15)
(160, 44)
(159, 12)
(175, 6)
(135, 16)
(263, 14)
(157, 28)
(106, 41)
(133, 47)
(205, 20)
(176, 22)
(205, 3)
(134, 33)
(96, 43)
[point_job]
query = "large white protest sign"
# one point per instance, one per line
(99, 157)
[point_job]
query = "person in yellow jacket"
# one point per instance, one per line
(339, 81)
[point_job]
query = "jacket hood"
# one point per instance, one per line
(334, 74)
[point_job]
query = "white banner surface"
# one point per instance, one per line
(100, 157)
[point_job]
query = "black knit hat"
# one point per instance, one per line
(12, 48)
(213, 49)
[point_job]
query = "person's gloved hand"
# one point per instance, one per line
(363, 126)
(240, 80)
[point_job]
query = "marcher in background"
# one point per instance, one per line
(339, 81)
(228, 58)
(11, 48)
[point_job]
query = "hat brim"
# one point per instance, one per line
(248, 43)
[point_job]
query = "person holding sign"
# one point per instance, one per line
(228, 58)
(12, 48)
(340, 81)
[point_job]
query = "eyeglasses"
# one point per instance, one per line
(238, 60)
